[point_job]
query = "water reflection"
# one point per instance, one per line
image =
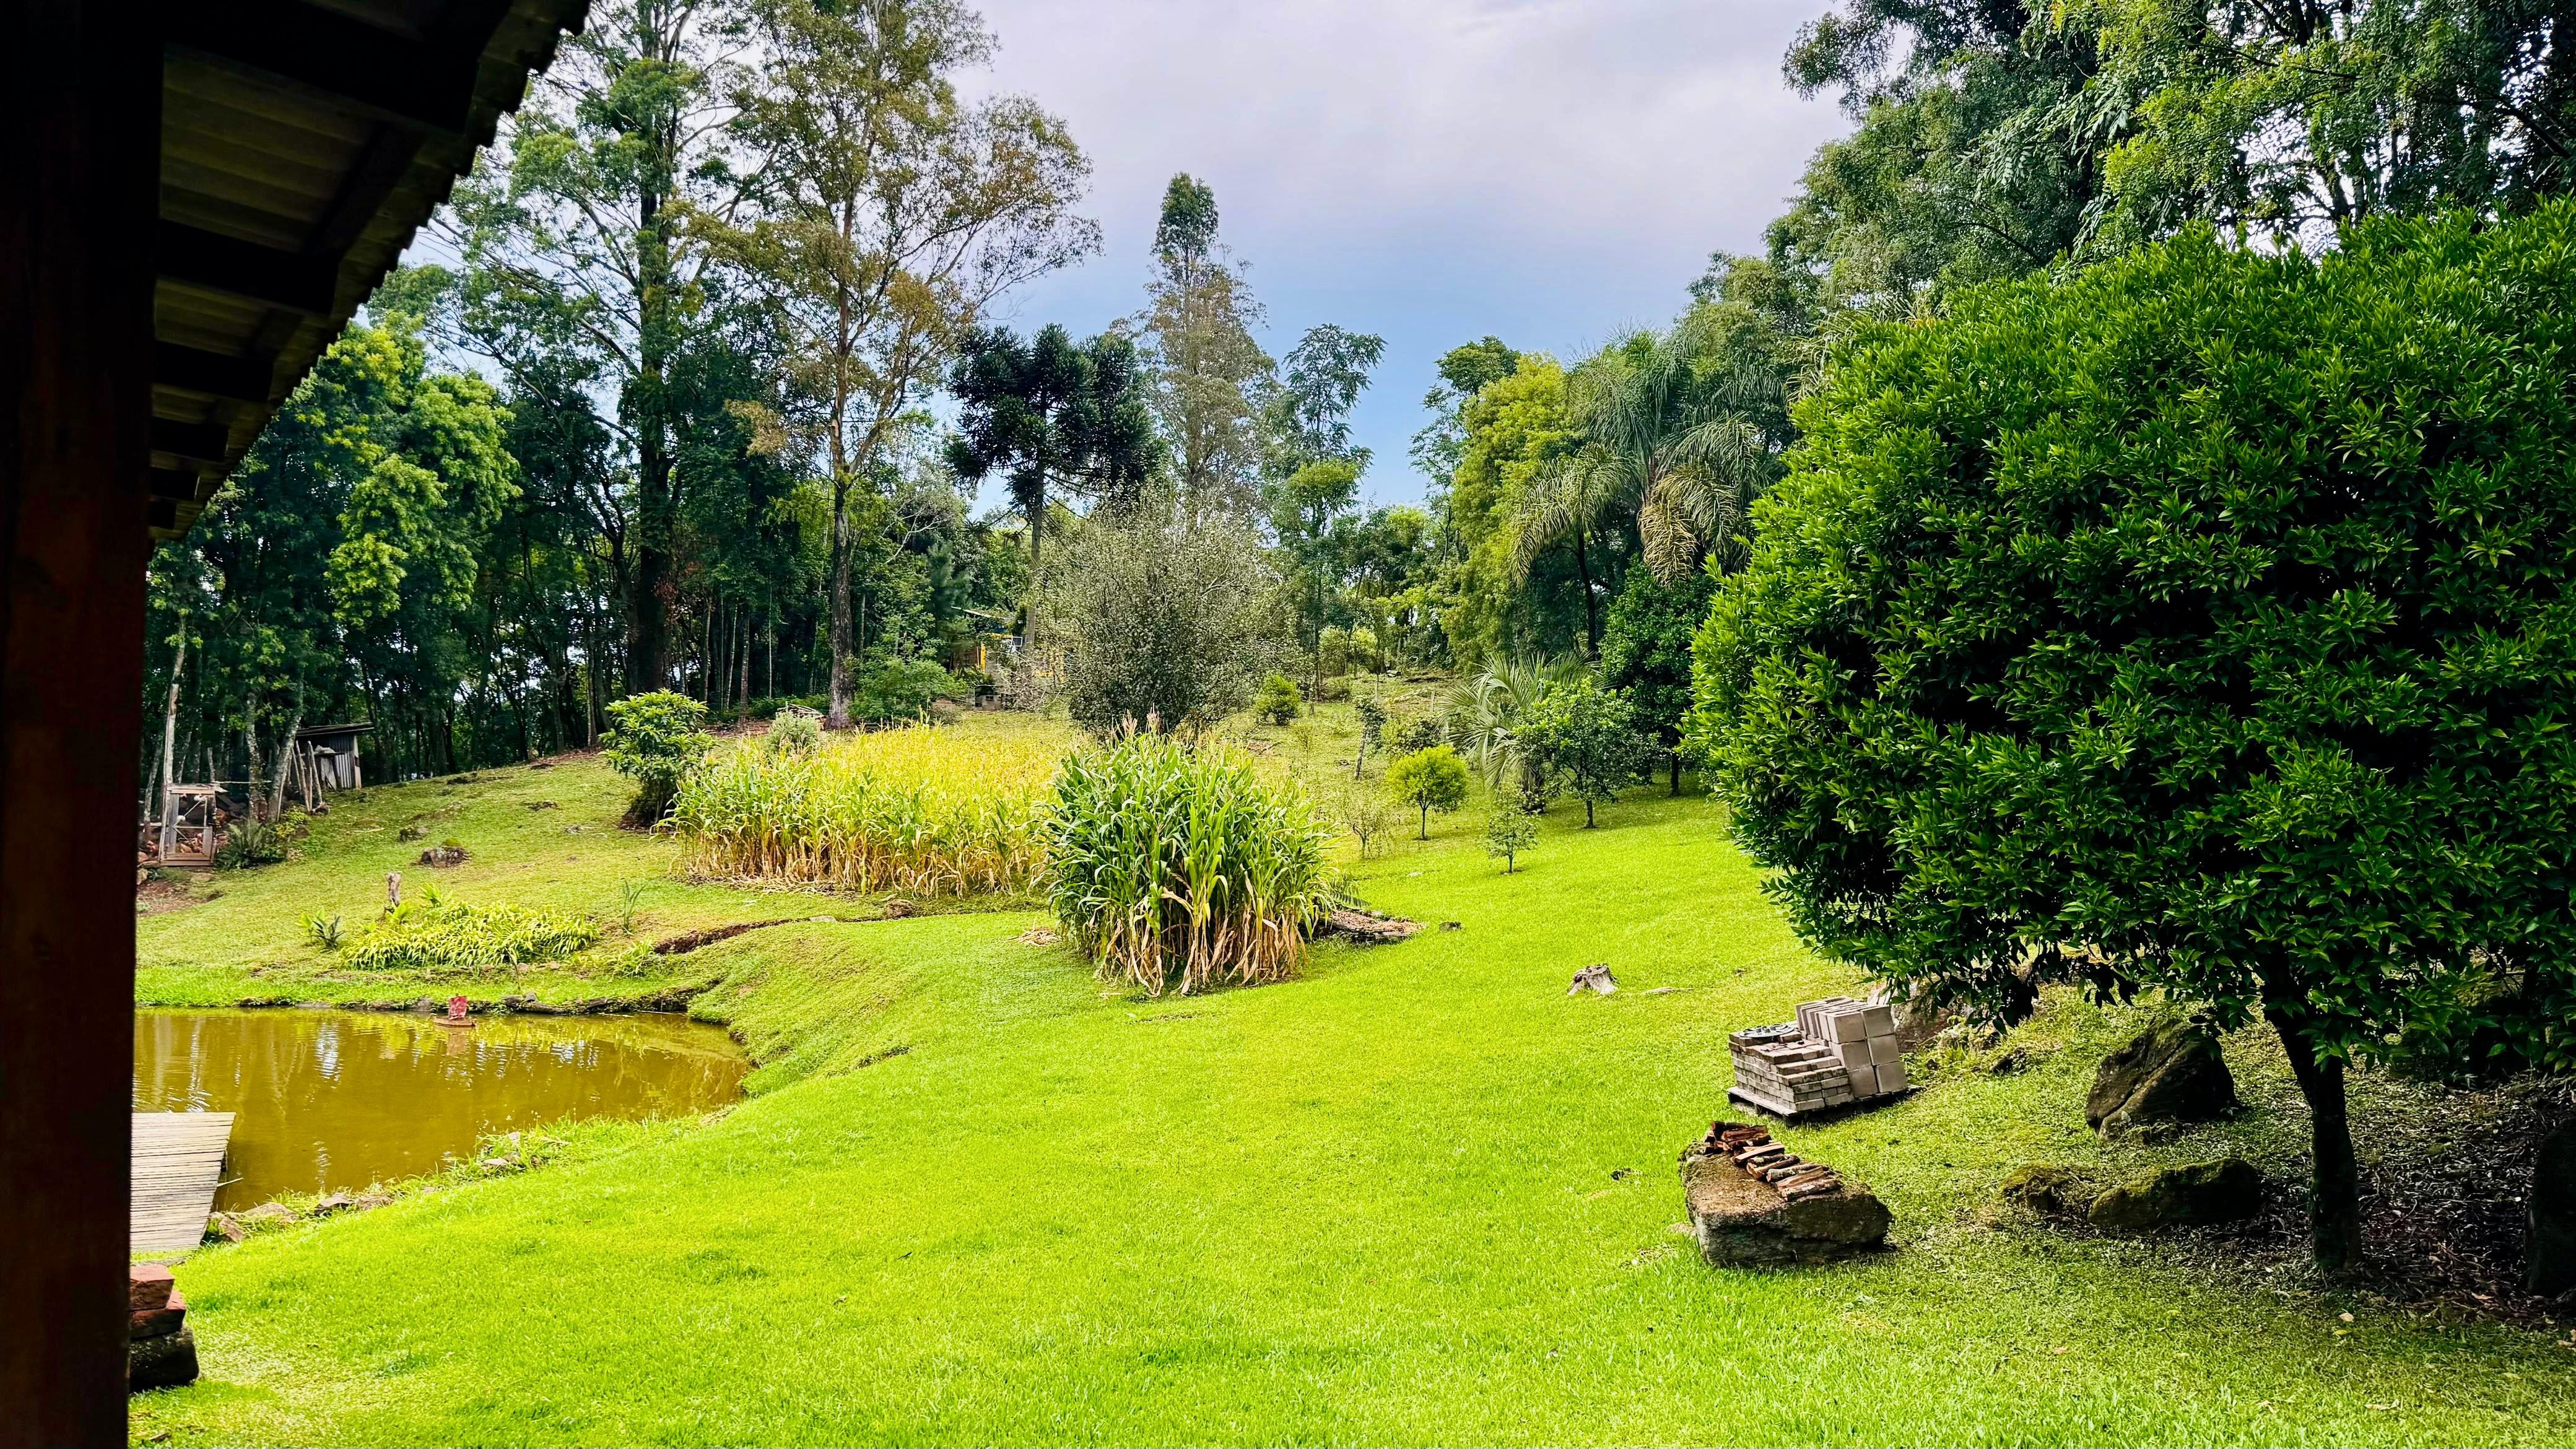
(327, 1101)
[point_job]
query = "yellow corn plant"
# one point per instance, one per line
(918, 810)
(1178, 866)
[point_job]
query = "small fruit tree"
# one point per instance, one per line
(2205, 623)
(1428, 780)
(1587, 736)
(656, 739)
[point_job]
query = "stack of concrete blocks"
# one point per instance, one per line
(1837, 1052)
(160, 1352)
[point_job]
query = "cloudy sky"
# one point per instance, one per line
(1548, 171)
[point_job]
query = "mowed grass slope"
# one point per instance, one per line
(1418, 1195)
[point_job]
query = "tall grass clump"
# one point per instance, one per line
(915, 809)
(446, 937)
(1174, 866)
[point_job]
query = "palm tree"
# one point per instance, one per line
(1485, 712)
(1678, 426)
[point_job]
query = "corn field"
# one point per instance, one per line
(918, 810)
(1177, 867)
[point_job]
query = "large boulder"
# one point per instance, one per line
(2048, 1190)
(2226, 1190)
(2549, 1246)
(1742, 1221)
(2174, 1073)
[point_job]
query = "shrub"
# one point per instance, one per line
(1279, 702)
(1509, 833)
(656, 740)
(248, 843)
(1428, 780)
(1417, 735)
(1165, 620)
(1333, 652)
(1587, 737)
(912, 809)
(1173, 866)
(438, 936)
(1365, 812)
(323, 931)
(1372, 717)
(2203, 623)
(899, 690)
(794, 730)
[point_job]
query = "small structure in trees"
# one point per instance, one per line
(325, 757)
(191, 831)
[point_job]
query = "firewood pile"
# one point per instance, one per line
(1838, 1051)
(1752, 1149)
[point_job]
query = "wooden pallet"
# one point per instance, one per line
(178, 1162)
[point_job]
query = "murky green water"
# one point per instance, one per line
(333, 1100)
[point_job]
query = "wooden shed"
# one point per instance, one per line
(326, 758)
(195, 197)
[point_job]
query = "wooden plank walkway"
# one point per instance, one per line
(178, 1160)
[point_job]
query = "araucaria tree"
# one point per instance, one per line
(887, 215)
(2203, 624)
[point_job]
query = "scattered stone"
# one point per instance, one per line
(2549, 1240)
(1366, 928)
(336, 1202)
(541, 805)
(409, 833)
(267, 1214)
(1595, 978)
(164, 1362)
(1452, 926)
(226, 1227)
(2008, 1063)
(2225, 1190)
(1778, 1212)
(2048, 1190)
(365, 1200)
(148, 1286)
(160, 1353)
(2175, 1073)
(443, 856)
(1038, 936)
(896, 909)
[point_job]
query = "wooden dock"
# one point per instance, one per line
(178, 1160)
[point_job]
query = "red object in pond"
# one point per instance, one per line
(456, 1011)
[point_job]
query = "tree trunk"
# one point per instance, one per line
(648, 607)
(1591, 609)
(285, 759)
(250, 751)
(1587, 812)
(170, 740)
(1029, 614)
(1674, 761)
(839, 716)
(2334, 1211)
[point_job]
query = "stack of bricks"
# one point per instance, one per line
(1837, 1052)
(1752, 1149)
(160, 1353)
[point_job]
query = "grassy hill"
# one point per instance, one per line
(1419, 1194)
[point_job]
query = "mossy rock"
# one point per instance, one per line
(2225, 1190)
(2048, 1190)
(2172, 1074)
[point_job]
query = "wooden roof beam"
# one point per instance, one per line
(248, 270)
(196, 442)
(216, 374)
(428, 85)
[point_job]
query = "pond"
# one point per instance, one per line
(327, 1101)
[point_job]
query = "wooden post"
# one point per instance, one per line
(80, 124)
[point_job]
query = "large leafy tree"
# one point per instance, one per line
(2301, 116)
(1513, 429)
(1052, 417)
(580, 275)
(1312, 471)
(1208, 372)
(888, 214)
(2202, 624)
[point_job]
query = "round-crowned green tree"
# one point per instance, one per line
(1428, 780)
(656, 739)
(1587, 736)
(2203, 623)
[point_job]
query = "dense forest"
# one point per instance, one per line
(704, 392)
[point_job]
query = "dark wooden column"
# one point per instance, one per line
(80, 114)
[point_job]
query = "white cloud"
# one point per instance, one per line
(1432, 170)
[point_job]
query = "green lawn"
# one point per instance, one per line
(1419, 1195)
